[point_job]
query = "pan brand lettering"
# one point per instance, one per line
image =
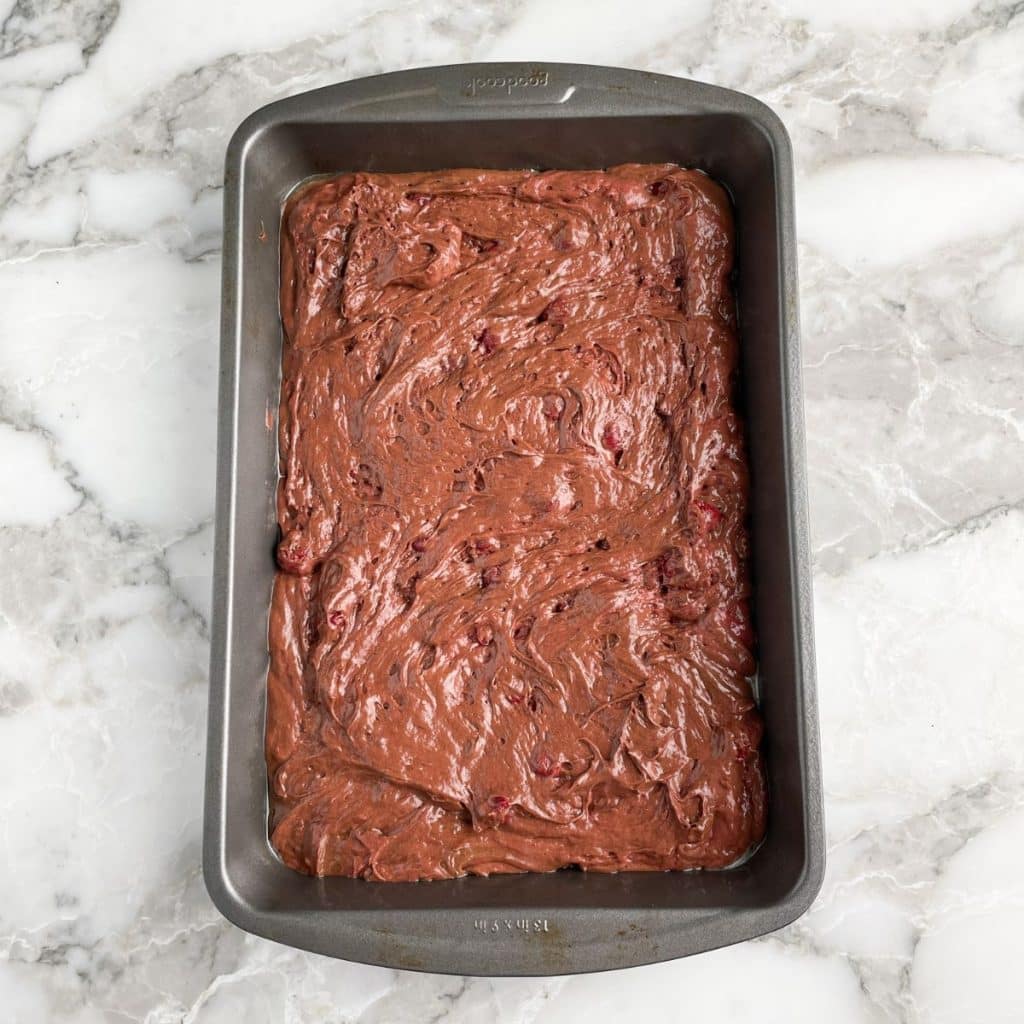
(504, 83)
(505, 925)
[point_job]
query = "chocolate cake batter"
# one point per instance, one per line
(510, 631)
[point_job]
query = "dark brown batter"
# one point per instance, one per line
(511, 630)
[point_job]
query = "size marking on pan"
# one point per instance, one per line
(504, 925)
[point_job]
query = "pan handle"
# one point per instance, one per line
(511, 89)
(584, 88)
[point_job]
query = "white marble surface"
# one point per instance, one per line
(908, 124)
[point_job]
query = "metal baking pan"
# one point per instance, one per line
(502, 116)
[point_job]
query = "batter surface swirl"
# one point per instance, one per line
(510, 630)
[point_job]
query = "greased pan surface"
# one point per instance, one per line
(510, 115)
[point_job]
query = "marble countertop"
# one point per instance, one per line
(907, 120)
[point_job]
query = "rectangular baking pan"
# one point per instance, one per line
(502, 116)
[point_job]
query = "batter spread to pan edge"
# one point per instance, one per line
(510, 630)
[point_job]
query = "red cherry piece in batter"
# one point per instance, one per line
(708, 515)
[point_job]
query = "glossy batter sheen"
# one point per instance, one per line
(510, 629)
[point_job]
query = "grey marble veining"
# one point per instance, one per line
(908, 128)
